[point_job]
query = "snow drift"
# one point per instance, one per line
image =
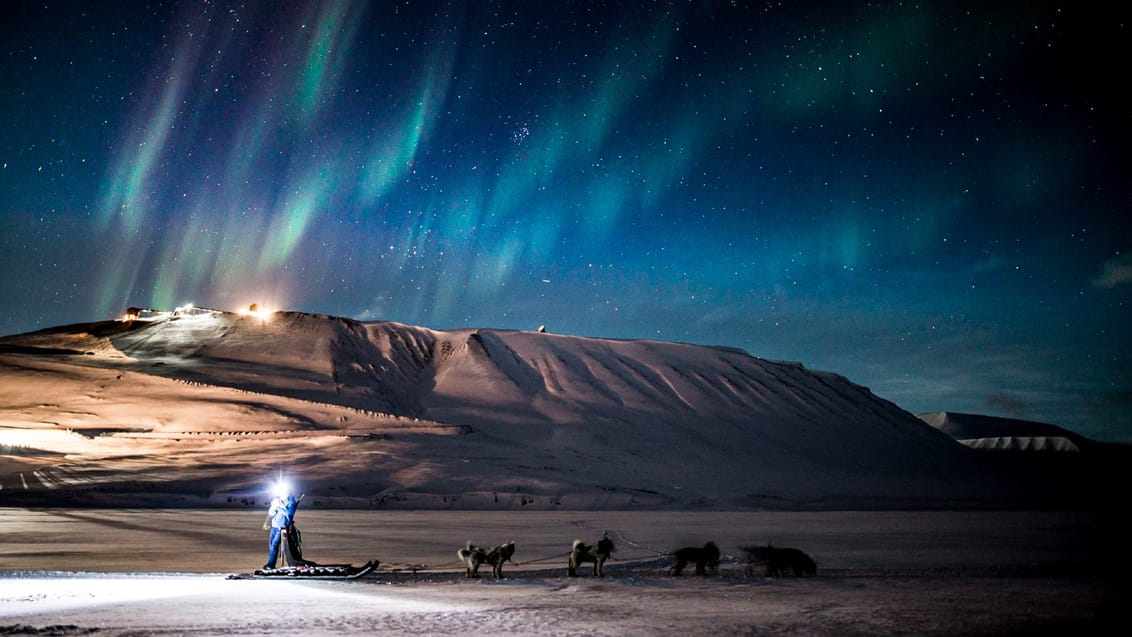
(201, 408)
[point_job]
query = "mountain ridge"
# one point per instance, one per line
(392, 408)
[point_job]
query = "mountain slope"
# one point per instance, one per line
(385, 413)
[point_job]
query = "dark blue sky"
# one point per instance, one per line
(929, 198)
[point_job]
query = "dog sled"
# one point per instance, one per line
(311, 571)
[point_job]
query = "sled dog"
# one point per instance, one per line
(704, 557)
(779, 561)
(473, 556)
(581, 553)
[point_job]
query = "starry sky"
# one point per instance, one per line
(930, 198)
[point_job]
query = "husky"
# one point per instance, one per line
(473, 556)
(498, 555)
(779, 561)
(581, 553)
(705, 557)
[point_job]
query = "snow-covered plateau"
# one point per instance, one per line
(202, 410)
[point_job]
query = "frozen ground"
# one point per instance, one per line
(114, 572)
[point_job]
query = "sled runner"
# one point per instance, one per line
(313, 571)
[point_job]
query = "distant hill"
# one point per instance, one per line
(1007, 434)
(1080, 471)
(206, 408)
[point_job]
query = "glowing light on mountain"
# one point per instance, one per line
(54, 440)
(255, 310)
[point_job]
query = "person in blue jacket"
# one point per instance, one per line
(292, 540)
(279, 515)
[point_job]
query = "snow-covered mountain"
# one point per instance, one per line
(207, 408)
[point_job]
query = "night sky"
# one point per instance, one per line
(930, 198)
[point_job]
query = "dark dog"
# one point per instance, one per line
(779, 561)
(473, 556)
(498, 555)
(705, 557)
(581, 553)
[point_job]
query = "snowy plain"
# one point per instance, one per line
(123, 572)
